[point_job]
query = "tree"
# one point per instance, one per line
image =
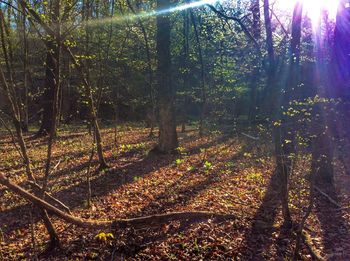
(9, 87)
(271, 91)
(256, 27)
(202, 77)
(80, 68)
(52, 73)
(341, 57)
(167, 127)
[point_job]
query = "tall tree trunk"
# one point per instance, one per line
(167, 127)
(52, 56)
(339, 87)
(52, 77)
(53, 84)
(186, 51)
(271, 93)
(341, 58)
(202, 82)
(149, 69)
(25, 75)
(255, 9)
(54, 60)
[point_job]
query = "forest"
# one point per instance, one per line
(174, 130)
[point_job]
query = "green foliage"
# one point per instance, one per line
(181, 151)
(179, 161)
(207, 166)
(191, 168)
(255, 176)
(247, 155)
(132, 147)
(104, 237)
(136, 178)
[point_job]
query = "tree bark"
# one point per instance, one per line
(52, 75)
(255, 9)
(271, 94)
(168, 141)
(49, 88)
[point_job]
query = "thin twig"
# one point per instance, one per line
(50, 197)
(88, 175)
(328, 197)
(300, 233)
(12, 137)
(2, 239)
(32, 234)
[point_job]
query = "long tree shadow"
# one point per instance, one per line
(176, 195)
(205, 145)
(171, 198)
(259, 238)
(334, 227)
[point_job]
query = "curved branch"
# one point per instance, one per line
(12, 6)
(239, 21)
(139, 222)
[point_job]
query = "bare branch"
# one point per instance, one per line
(239, 21)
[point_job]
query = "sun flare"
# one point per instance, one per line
(312, 8)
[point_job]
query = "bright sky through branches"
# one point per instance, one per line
(312, 8)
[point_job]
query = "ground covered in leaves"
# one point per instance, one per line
(220, 172)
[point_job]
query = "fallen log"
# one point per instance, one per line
(308, 242)
(138, 222)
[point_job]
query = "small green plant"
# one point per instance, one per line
(136, 178)
(229, 164)
(255, 176)
(191, 168)
(207, 166)
(125, 147)
(179, 161)
(247, 155)
(130, 147)
(181, 150)
(104, 236)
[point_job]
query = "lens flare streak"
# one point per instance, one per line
(131, 17)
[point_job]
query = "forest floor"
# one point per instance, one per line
(219, 172)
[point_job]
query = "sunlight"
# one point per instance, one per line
(312, 8)
(131, 17)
